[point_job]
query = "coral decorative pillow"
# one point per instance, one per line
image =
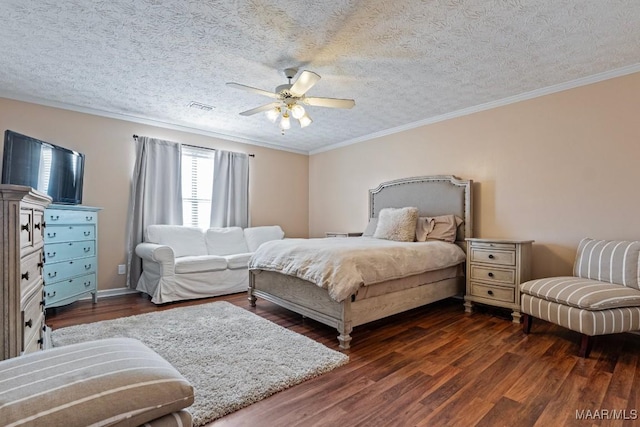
(397, 224)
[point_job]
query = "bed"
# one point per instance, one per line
(433, 196)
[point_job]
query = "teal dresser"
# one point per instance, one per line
(70, 254)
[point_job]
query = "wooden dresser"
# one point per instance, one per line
(22, 298)
(495, 269)
(70, 253)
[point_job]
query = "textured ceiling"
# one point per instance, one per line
(402, 61)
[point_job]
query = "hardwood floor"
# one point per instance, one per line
(434, 366)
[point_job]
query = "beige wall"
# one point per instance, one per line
(278, 187)
(554, 169)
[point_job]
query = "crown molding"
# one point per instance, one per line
(144, 121)
(584, 81)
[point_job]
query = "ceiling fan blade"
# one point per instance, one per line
(252, 89)
(260, 109)
(330, 102)
(305, 82)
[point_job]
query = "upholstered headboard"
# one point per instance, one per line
(432, 195)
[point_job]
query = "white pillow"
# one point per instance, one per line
(225, 241)
(371, 228)
(185, 241)
(255, 236)
(397, 224)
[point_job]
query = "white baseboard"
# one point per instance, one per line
(112, 293)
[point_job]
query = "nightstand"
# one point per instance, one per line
(495, 269)
(341, 234)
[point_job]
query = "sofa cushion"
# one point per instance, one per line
(197, 264)
(185, 241)
(611, 261)
(225, 241)
(238, 260)
(255, 236)
(582, 293)
(115, 382)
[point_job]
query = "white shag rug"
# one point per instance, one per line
(231, 356)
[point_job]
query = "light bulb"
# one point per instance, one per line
(305, 121)
(273, 114)
(285, 122)
(297, 111)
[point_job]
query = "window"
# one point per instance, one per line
(197, 186)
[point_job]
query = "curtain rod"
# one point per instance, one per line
(195, 146)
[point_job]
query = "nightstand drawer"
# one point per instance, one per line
(497, 275)
(494, 245)
(496, 293)
(489, 256)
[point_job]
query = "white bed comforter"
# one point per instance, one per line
(342, 265)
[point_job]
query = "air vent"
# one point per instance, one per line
(200, 106)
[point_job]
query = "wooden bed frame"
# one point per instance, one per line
(433, 196)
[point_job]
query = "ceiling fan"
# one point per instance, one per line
(290, 99)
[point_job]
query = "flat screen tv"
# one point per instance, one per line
(48, 168)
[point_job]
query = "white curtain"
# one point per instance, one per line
(156, 195)
(230, 198)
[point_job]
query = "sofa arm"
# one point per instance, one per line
(156, 253)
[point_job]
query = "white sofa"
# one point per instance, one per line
(182, 263)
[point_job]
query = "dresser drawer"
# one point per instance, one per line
(63, 216)
(495, 293)
(30, 271)
(35, 339)
(489, 256)
(32, 320)
(26, 229)
(55, 252)
(67, 233)
(69, 288)
(54, 272)
(496, 275)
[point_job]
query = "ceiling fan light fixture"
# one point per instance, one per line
(273, 114)
(305, 121)
(297, 111)
(285, 122)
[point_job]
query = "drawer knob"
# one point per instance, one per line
(40, 264)
(87, 267)
(24, 227)
(87, 250)
(51, 295)
(51, 234)
(87, 284)
(55, 273)
(54, 218)
(490, 274)
(40, 342)
(87, 233)
(25, 276)
(28, 323)
(37, 226)
(490, 292)
(491, 256)
(42, 302)
(88, 218)
(51, 254)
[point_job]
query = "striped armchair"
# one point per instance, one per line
(602, 297)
